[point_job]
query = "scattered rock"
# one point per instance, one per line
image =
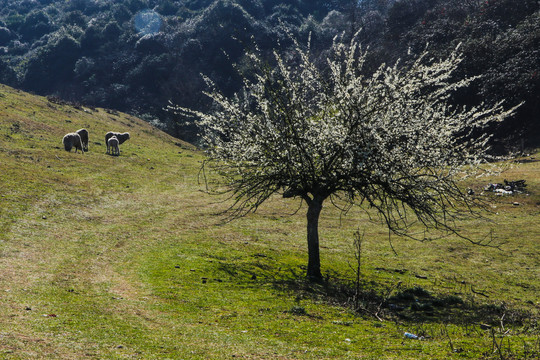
(508, 188)
(409, 335)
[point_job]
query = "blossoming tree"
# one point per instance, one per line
(389, 141)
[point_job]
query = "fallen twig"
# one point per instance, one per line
(479, 292)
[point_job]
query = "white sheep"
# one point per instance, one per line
(120, 136)
(72, 140)
(83, 133)
(112, 145)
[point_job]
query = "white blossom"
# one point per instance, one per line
(389, 140)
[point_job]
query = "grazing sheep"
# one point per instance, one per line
(72, 140)
(84, 138)
(120, 136)
(112, 144)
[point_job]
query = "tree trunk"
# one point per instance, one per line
(314, 261)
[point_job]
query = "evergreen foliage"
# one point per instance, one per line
(500, 41)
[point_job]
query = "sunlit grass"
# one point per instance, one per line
(106, 257)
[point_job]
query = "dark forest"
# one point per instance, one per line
(137, 55)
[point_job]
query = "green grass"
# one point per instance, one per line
(126, 257)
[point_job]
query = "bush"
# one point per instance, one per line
(5, 36)
(36, 24)
(52, 64)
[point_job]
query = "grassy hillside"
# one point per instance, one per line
(125, 257)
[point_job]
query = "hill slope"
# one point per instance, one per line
(106, 257)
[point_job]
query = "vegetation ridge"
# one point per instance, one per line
(136, 55)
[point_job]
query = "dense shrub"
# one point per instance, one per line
(35, 25)
(5, 36)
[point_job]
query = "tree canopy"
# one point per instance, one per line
(390, 141)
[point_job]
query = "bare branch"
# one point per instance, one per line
(389, 140)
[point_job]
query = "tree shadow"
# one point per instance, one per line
(396, 303)
(412, 305)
